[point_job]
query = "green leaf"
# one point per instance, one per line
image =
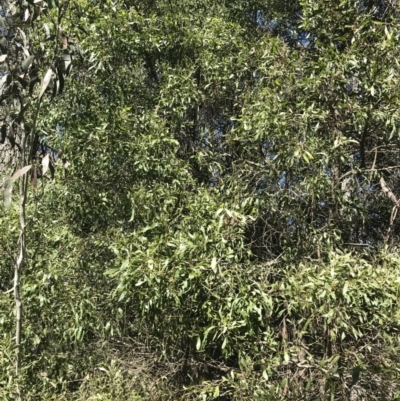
(345, 288)
(21, 172)
(224, 343)
(309, 382)
(214, 264)
(216, 392)
(26, 63)
(45, 82)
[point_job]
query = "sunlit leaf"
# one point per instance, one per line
(216, 392)
(26, 63)
(214, 264)
(345, 287)
(21, 172)
(45, 82)
(26, 15)
(45, 163)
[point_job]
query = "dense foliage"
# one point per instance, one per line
(220, 216)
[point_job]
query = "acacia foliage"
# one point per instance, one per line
(227, 227)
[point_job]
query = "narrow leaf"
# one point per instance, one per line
(214, 264)
(47, 30)
(26, 63)
(26, 15)
(23, 36)
(45, 163)
(45, 82)
(345, 288)
(216, 392)
(7, 192)
(21, 172)
(224, 343)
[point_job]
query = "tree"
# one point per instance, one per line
(226, 228)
